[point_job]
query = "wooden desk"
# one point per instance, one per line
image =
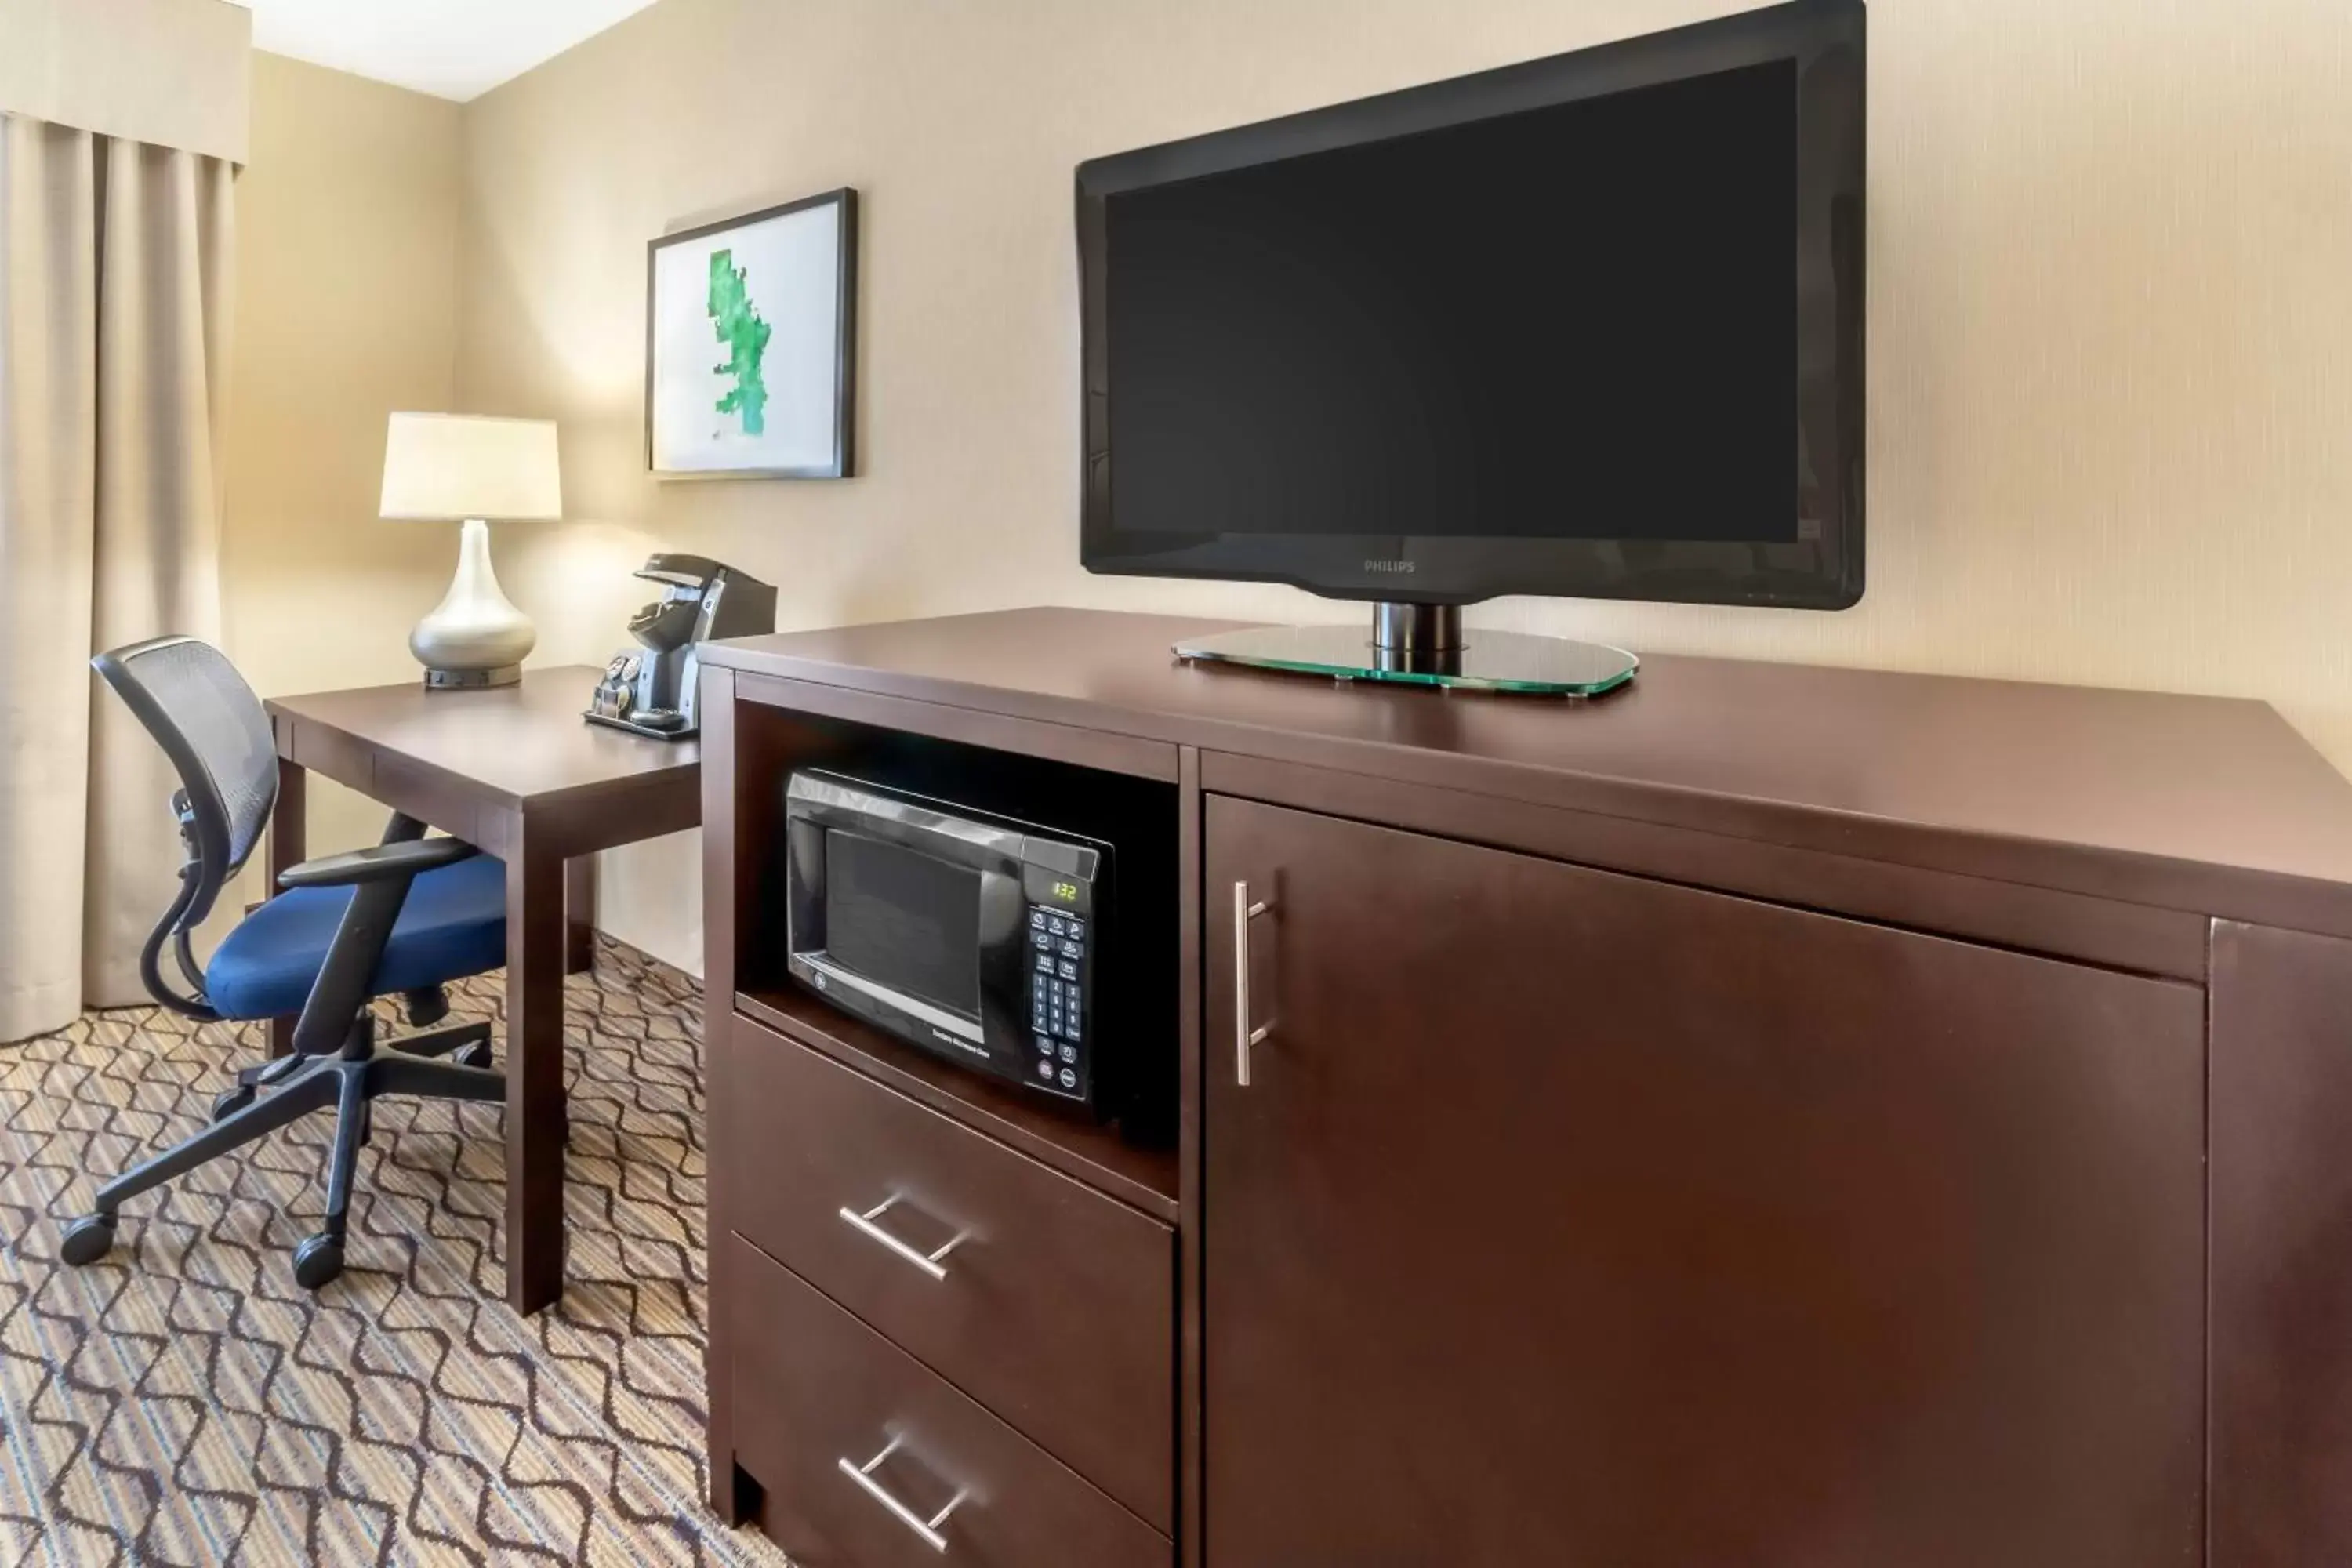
(517, 771)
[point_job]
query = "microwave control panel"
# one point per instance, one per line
(1059, 971)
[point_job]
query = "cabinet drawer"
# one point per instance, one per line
(1055, 1309)
(819, 1396)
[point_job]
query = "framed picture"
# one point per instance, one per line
(750, 344)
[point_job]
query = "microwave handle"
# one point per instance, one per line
(1004, 963)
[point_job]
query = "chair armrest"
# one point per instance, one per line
(377, 863)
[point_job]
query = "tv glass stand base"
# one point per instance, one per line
(1423, 644)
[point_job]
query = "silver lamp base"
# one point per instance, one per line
(473, 637)
(471, 679)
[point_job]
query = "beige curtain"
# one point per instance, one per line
(114, 278)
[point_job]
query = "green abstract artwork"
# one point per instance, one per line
(749, 342)
(744, 335)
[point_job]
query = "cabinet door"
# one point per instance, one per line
(1573, 1218)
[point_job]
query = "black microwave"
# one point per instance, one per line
(976, 937)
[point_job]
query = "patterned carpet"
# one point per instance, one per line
(185, 1402)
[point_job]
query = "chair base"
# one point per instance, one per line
(298, 1086)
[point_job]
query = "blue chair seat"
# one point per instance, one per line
(452, 925)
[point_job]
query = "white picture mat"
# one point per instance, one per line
(792, 263)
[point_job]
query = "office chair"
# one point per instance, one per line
(404, 917)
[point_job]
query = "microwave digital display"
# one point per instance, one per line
(904, 920)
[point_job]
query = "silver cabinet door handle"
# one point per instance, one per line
(927, 1529)
(928, 1262)
(1244, 1037)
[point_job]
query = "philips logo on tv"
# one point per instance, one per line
(1401, 567)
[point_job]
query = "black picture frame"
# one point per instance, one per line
(842, 465)
(1822, 569)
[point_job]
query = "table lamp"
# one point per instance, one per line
(466, 467)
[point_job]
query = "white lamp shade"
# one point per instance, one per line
(438, 467)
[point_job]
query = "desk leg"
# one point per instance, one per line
(288, 830)
(580, 915)
(534, 1068)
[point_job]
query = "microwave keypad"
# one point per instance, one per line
(1057, 999)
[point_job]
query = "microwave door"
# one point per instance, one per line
(1000, 1033)
(989, 1023)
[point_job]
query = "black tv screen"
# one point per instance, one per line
(1587, 326)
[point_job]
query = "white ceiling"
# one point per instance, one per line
(450, 48)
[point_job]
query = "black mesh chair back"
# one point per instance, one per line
(213, 727)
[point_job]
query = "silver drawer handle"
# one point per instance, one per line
(928, 1528)
(1244, 1037)
(928, 1262)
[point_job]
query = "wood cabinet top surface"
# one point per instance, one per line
(2214, 805)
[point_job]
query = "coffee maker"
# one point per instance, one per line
(650, 690)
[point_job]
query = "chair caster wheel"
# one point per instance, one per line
(231, 1102)
(87, 1240)
(318, 1259)
(477, 1055)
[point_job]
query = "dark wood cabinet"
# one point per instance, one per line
(1649, 1227)
(2282, 1265)
(1770, 1118)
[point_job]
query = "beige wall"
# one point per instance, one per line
(347, 258)
(2111, 330)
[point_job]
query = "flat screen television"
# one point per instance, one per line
(1591, 325)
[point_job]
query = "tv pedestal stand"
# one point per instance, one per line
(1423, 644)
